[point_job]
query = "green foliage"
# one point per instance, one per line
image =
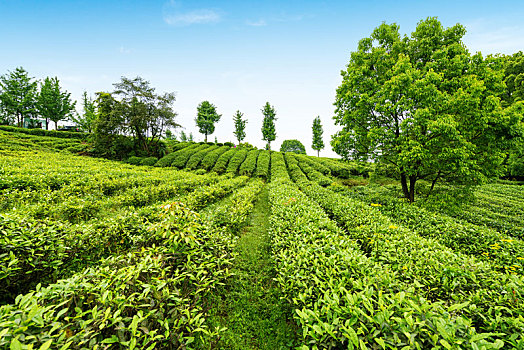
(425, 105)
(294, 146)
(210, 159)
(149, 161)
(318, 142)
(268, 125)
(222, 161)
(182, 156)
(263, 161)
(86, 121)
(235, 161)
(249, 165)
(18, 94)
(195, 159)
(240, 126)
(54, 104)
(48, 133)
(134, 160)
(206, 118)
(513, 78)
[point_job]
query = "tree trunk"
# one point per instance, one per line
(205, 138)
(46, 123)
(56, 125)
(318, 153)
(412, 181)
(404, 183)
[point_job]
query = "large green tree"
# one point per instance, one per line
(53, 104)
(86, 120)
(268, 124)
(318, 142)
(293, 146)
(240, 126)
(18, 94)
(423, 105)
(206, 118)
(146, 114)
(514, 78)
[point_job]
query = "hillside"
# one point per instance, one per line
(214, 246)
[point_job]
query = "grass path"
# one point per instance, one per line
(249, 305)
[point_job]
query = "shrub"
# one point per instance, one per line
(134, 160)
(150, 161)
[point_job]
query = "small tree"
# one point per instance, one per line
(206, 118)
(293, 146)
(240, 126)
(86, 121)
(268, 125)
(318, 142)
(18, 95)
(54, 104)
(183, 136)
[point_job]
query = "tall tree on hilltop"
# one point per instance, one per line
(18, 95)
(240, 126)
(268, 124)
(206, 118)
(54, 104)
(424, 105)
(318, 142)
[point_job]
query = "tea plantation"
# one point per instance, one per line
(216, 247)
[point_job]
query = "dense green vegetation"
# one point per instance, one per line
(97, 253)
(185, 245)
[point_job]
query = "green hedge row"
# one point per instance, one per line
(222, 161)
(236, 161)
(42, 132)
(196, 158)
(263, 163)
(181, 157)
(249, 164)
(488, 298)
(211, 158)
(345, 299)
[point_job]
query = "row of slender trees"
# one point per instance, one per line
(24, 100)
(207, 116)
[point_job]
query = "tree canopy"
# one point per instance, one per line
(293, 146)
(240, 126)
(318, 142)
(424, 105)
(206, 118)
(268, 125)
(18, 94)
(53, 103)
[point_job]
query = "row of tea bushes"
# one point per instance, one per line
(489, 299)
(345, 299)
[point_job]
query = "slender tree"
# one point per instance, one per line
(268, 125)
(86, 120)
(18, 95)
(318, 142)
(206, 118)
(183, 136)
(54, 104)
(240, 126)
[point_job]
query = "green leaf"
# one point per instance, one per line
(46, 345)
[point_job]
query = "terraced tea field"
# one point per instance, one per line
(214, 247)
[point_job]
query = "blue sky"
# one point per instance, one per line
(236, 54)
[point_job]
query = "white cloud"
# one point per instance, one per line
(258, 23)
(192, 17)
(124, 50)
